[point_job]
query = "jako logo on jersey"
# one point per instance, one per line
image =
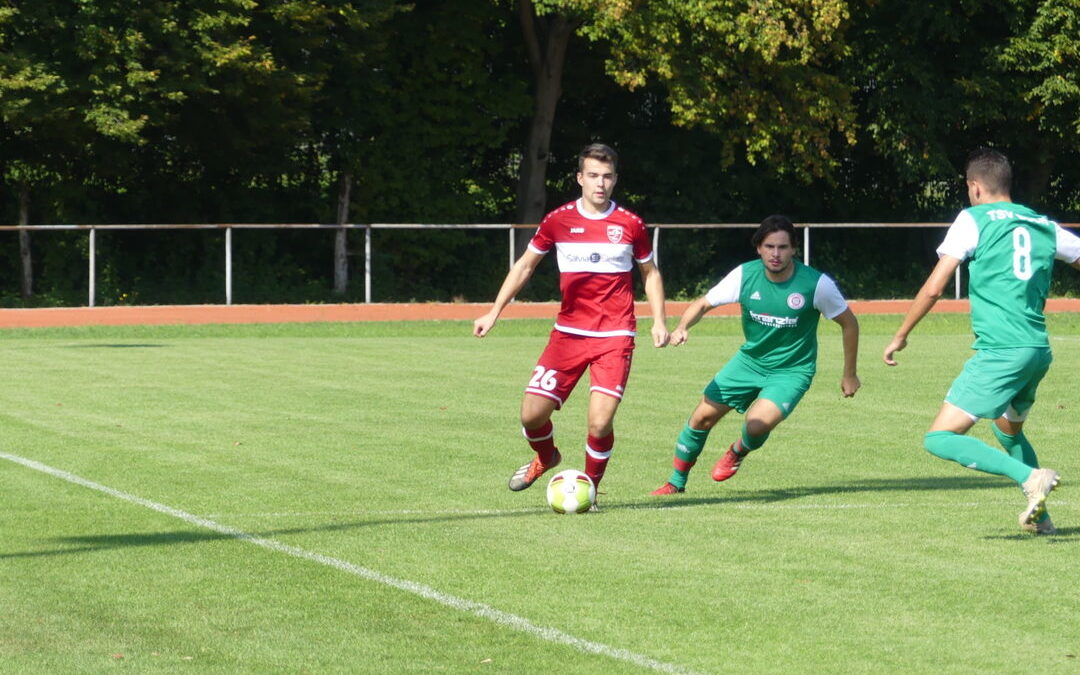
(614, 233)
(577, 230)
(755, 296)
(796, 301)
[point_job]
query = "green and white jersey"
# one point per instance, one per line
(779, 320)
(1012, 251)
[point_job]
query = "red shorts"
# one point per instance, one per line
(567, 356)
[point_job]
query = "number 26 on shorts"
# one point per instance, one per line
(544, 379)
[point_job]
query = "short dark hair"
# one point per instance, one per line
(991, 168)
(600, 152)
(774, 223)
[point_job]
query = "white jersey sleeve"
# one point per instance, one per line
(827, 298)
(727, 291)
(961, 239)
(1068, 245)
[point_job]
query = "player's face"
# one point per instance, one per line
(597, 181)
(776, 252)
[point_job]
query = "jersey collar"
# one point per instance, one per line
(594, 216)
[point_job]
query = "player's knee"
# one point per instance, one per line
(601, 429)
(704, 418)
(533, 419)
(756, 427)
(936, 443)
(702, 422)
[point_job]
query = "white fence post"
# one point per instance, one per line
(806, 245)
(91, 283)
(513, 244)
(228, 265)
(367, 264)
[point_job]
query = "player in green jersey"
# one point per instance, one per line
(782, 300)
(1012, 251)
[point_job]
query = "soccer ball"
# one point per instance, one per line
(571, 491)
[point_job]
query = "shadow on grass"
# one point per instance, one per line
(115, 346)
(84, 544)
(1064, 534)
(735, 496)
(106, 542)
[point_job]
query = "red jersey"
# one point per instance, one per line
(596, 254)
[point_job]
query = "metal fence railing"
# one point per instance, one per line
(511, 229)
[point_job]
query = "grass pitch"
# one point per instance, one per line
(331, 498)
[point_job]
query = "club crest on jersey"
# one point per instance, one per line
(796, 301)
(614, 233)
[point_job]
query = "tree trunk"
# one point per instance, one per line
(341, 236)
(546, 40)
(24, 243)
(1039, 175)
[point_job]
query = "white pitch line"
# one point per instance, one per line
(475, 608)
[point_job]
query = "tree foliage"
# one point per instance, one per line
(758, 74)
(1046, 56)
(723, 110)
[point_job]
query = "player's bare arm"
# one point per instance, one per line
(690, 317)
(932, 290)
(515, 280)
(654, 293)
(849, 329)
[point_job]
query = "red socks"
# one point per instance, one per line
(597, 453)
(542, 440)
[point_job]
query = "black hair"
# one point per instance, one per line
(991, 168)
(774, 223)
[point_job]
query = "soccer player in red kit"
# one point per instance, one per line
(596, 242)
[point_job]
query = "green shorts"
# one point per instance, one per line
(739, 383)
(996, 382)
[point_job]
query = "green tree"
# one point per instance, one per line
(89, 88)
(1044, 60)
(757, 74)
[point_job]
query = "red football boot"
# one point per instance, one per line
(666, 489)
(727, 465)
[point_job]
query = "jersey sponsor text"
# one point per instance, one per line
(775, 321)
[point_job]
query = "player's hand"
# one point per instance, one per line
(679, 336)
(897, 344)
(482, 325)
(660, 334)
(849, 385)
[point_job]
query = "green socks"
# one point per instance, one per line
(687, 448)
(1017, 446)
(974, 454)
(752, 442)
(1019, 449)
